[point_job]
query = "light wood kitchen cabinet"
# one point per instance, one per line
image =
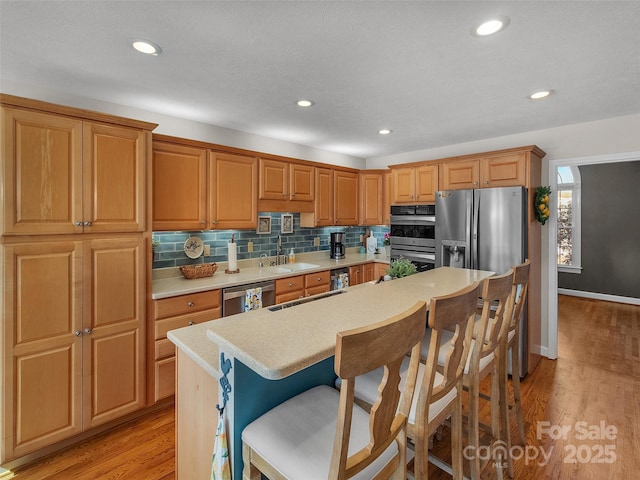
(322, 215)
(368, 272)
(280, 180)
(355, 275)
(171, 313)
(505, 170)
(380, 270)
(315, 283)
(179, 187)
(290, 288)
(346, 195)
(371, 198)
(73, 338)
(386, 198)
(195, 188)
(234, 199)
(417, 184)
(65, 175)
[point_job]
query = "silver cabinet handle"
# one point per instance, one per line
(78, 224)
(291, 284)
(189, 304)
(77, 333)
(87, 331)
(190, 322)
(87, 223)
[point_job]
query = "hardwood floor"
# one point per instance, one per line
(596, 380)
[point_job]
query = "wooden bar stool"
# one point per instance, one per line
(519, 293)
(322, 434)
(491, 325)
(439, 395)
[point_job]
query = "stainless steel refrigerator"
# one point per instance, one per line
(484, 229)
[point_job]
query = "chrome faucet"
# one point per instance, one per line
(265, 256)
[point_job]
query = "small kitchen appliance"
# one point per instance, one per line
(337, 245)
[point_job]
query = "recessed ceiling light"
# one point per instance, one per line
(145, 46)
(489, 27)
(305, 103)
(385, 131)
(541, 94)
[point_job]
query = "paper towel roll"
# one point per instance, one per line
(233, 257)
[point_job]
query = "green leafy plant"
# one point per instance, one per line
(401, 268)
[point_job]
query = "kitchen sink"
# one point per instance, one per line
(294, 267)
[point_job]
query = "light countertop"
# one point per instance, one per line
(278, 344)
(170, 282)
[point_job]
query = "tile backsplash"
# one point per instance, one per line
(170, 252)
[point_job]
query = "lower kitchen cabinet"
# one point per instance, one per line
(171, 313)
(380, 270)
(293, 288)
(73, 338)
(315, 283)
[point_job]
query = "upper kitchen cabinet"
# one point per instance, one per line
(504, 168)
(323, 214)
(345, 204)
(371, 198)
(71, 171)
(414, 184)
(386, 198)
(286, 186)
(179, 187)
(196, 188)
(234, 199)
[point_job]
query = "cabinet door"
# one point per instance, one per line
(503, 171)
(323, 205)
(426, 183)
(179, 187)
(355, 275)
(301, 182)
(403, 184)
(42, 173)
(114, 178)
(274, 180)
(460, 175)
(370, 199)
(234, 195)
(345, 189)
(386, 198)
(42, 357)
(113, 329)
(368, 272)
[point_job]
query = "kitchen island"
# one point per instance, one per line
(274, 355)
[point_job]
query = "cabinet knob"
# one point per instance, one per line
(214, 222)
(78, 224)
(486, 182)
(475, 183)
(291, 284)
(87, 331)
(77, 333)
(190, 322)
(319, 279)
(202, 222)
(87, 223)
(189, 304)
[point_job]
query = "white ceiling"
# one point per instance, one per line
(411, 66)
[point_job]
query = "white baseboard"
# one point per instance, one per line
(599, 296)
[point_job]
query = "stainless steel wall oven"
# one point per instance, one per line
(413, 234)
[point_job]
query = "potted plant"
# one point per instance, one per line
(401, 268)
(387, 244)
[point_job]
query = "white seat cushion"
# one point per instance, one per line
(445, 346)
(366, 389)
(297, 436)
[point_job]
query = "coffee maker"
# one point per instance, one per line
(337, 245)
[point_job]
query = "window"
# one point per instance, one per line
(569, 219)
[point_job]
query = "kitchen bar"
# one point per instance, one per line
(276, 355)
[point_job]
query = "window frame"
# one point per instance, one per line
(576, 231)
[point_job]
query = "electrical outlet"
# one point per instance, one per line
(207, 250)
(250, 247)
(316, 242)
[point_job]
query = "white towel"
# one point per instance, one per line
(253, 299)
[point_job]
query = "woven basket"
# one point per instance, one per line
(198, 271)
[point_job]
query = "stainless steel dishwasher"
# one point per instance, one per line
(233, 297)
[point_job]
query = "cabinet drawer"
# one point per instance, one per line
(166, 324)
(165, 373)
(288, 296)
(285, 285)
(317, 289)
(164, 348)
(314, 279)
(169, 307)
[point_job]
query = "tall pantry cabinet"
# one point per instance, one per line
(73, 270)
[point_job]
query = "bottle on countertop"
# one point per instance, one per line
(372, 243)
(292, 256)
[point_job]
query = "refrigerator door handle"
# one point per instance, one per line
(474, 231)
